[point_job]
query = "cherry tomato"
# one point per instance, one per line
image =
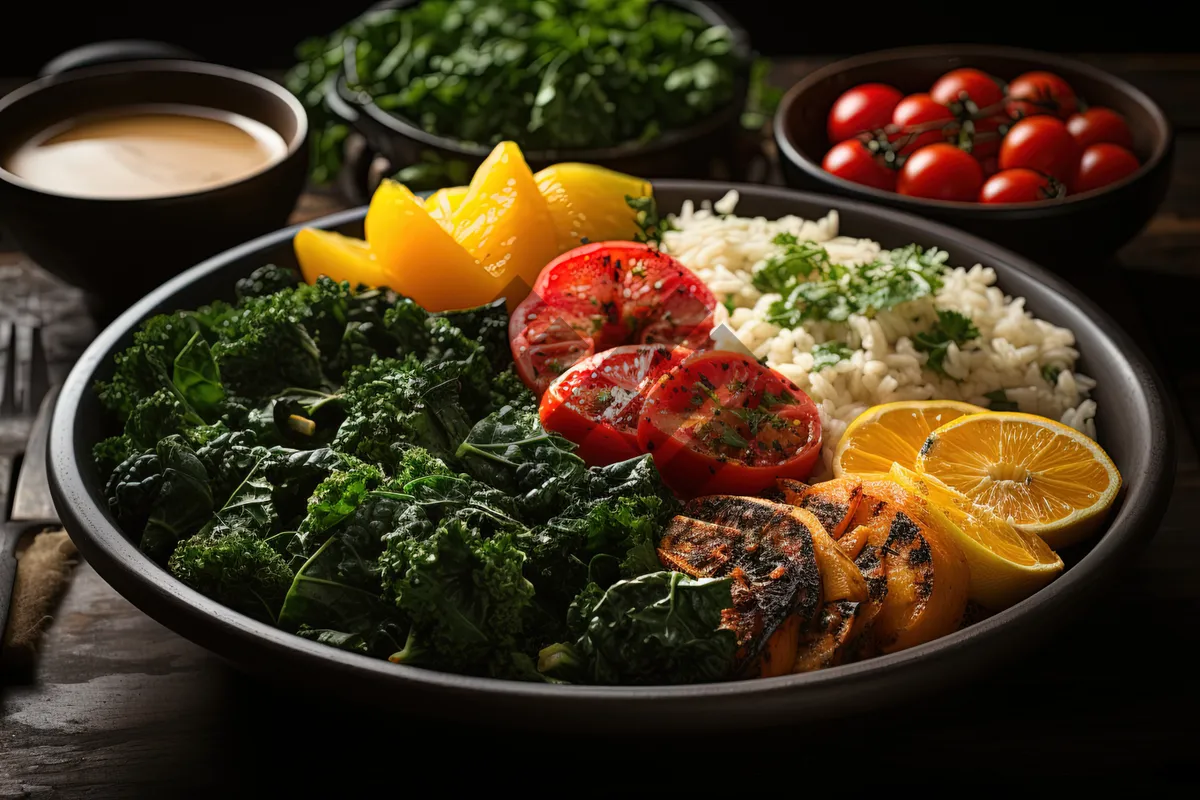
(1041, 93)
(987, 133)
(1041, 143)
(1102, 164)
(596, 403)
(1098, 125)
(989, 164)
(853, 161)
(960, 85)
(602, 295)
(929, 121)
(864, 108)
(722, 423)
(1019, 186)
(940, 172)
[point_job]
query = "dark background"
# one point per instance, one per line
(262, 33)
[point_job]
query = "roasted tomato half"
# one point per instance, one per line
(721, 422)
(596, 403)
(601, 296)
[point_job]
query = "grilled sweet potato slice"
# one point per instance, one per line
(779, 653)
(833, 502)
(834, 639)
(923, 578)
(768, 551)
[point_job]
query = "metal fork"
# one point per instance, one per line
(24, 381)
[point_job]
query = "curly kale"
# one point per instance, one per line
(236, 568)
(507, 389)
(133, 487)
(108, 454)
(488, 326)
(658, 628)
(183, 504)
(394, 405)
(146, 366)
(510, 450)
(466, 598)
(265, 280)
(265, 347)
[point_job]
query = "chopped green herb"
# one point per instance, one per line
(951, 327)
(998, 401)
(814, 288)
(651, 227)
(827, 354)
(1051, 372)
(729, 303)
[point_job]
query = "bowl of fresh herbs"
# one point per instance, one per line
(647, 87)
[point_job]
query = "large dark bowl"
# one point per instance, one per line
(119, 249)
(1067, 235)
(1132, 423)
(684, 152)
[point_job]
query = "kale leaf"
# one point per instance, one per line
(234, 567)
(656, 628)
(465, 595)
(184, 502)
(487, 325)
(197, 377)
(265, 280)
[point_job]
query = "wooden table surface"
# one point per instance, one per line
(124, 707)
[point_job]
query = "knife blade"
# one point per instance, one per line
(31, 498)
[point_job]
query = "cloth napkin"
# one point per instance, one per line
(44, 564)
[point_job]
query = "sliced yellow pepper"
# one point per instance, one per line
(503, 221)
(442, 204)
(342, 258)
(589, 202)
(420, 258)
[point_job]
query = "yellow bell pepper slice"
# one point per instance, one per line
(342, 258)
(588, 202)
(420, 258)
(442, 204)
(503, 221)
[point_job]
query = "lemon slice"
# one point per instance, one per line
(1006, 565)
(892, 432)
(1044, 477)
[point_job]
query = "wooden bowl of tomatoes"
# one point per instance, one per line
(1044, 154)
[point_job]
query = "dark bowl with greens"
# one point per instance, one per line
(192, 529)
(648, 87)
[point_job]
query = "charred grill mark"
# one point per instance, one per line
(766, 548)
(870, 562)
(829, 513)
(830, 643)
(903, 530)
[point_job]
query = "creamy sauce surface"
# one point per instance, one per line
(146, 151)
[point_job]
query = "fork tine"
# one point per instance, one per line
(7, 405)
(23, 369)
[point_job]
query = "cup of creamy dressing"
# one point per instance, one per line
(117, 177)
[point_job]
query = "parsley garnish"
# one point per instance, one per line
(729, 304)
(827, 354)
(651, 227)
(1051, 372)
(815, 288)
(951, 326)
(998, 401)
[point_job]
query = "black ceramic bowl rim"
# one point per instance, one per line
(1050, 61)
(297, 141)
(154, 590)
(709, 12)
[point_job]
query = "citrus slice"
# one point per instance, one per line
(340, 257)
(1006, 565)
(1041, 475)
(892, 432)
(588, 203)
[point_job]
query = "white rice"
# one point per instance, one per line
(1009, 354)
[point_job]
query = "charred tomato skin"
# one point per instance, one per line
(722, 423)
(596, 403)
(603, 295)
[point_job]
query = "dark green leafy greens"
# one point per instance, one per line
(657, 628)
(547, 74)
(340, 463)
(951, 328)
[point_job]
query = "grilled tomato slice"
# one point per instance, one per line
(601, 296)
(596, 403)
(721, 422)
